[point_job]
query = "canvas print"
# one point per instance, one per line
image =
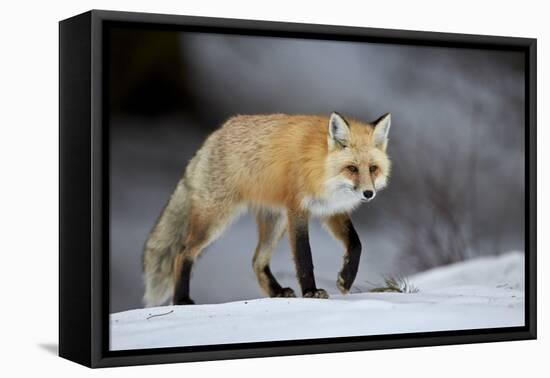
(269, 189)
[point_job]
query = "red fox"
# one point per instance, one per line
(283, 168)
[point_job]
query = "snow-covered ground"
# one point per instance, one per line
(480, 293)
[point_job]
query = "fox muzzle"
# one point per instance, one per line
(369, 195)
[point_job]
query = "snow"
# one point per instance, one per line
(480, 293)
(506, 271)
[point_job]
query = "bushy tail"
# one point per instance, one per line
(162, 246)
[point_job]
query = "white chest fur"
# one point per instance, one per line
(338, 197)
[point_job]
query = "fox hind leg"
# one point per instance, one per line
(271, 228)
(204, 227)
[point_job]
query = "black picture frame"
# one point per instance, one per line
(84, 190)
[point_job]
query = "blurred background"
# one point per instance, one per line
(457, 145)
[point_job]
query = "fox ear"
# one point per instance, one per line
(338, 131)
(381, 130)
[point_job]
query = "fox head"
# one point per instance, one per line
(357, 165)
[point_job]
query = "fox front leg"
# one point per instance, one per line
(342, 229)
(301, 252)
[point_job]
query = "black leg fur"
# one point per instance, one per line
(181, 290)
(351, 258)
(299, 239)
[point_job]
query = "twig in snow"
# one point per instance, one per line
(155, 315)
(396, 285)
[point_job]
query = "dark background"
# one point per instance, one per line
(457, 145)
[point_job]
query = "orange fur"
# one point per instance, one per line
(289, 156)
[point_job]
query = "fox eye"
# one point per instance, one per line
(352, 168)
(373, 168)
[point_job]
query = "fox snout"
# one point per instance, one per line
(368, 195)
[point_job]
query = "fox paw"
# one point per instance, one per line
(317, 293)
(184, 301)
(286, 292)
(341, 285)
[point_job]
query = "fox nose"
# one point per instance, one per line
(369, 194)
